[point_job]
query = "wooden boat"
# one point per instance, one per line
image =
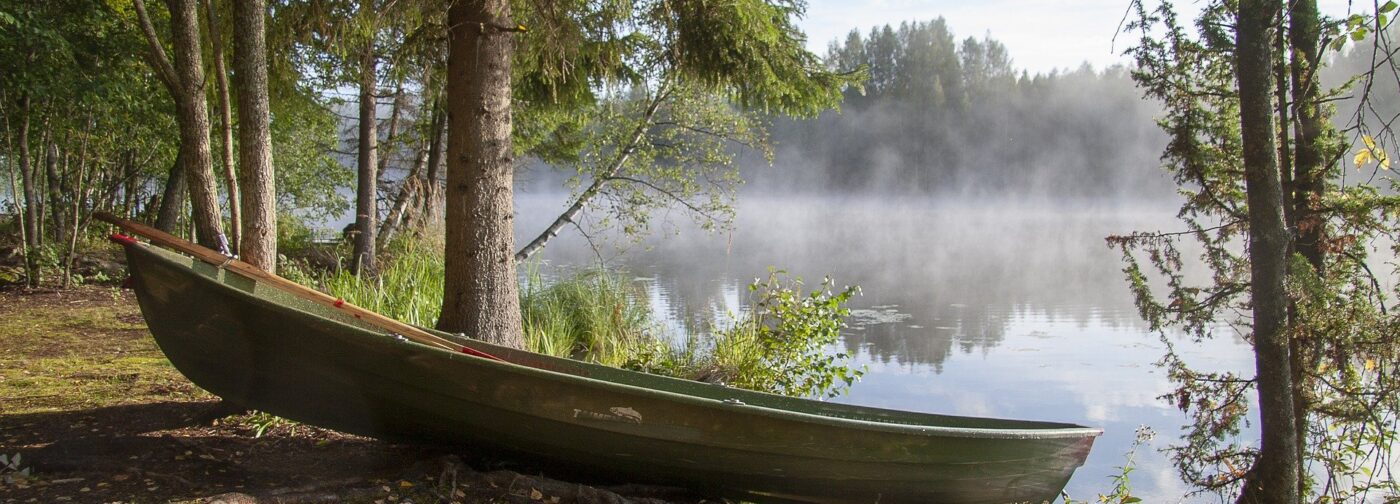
(256, 345)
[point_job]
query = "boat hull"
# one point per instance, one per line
(256, 346)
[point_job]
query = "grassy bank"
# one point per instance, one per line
(777, 345)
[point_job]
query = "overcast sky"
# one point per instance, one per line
(1041, 35)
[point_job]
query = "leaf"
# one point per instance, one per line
(1370, 364)
(535, 494)
(1370, 142)
(1362, 158)
(1389, 6)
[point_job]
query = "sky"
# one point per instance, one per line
(1041, 35)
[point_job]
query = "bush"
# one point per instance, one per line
(780, 347)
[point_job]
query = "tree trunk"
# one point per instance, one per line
(31, 209)
(226, 123)
(185, 81)
(366, 208)
(407, 193)
(386, 151)
(1309, 178)
(430, 184)
(193, 117)
(480, 284)
(55, 189)
(130, 198)
(79, 196)
(259, 202)
(1274, 477)
(172, 199)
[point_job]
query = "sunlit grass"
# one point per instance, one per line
(603, 316)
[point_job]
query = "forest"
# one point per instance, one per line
(256, 128)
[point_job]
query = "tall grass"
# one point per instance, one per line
(602, 316)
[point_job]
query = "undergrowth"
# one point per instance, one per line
(778, 345)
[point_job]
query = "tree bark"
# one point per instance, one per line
(1309, 183)
(481, 292)
(256, 175)
(55, 188)
(407, 193)
(193, 116)
(172, 199)
(366, 211)
(79, 196)
(1308, 176)
(1274, 477)
(31, 196)
(216, 40)
(431, 197)
(185, 81)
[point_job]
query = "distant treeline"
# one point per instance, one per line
(941, 116)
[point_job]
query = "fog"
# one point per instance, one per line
(1085, 136)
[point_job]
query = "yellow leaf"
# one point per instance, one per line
(1370, 142)
(1370, 364)
(1385, 160)
(405, 485)
(535, 494)
(1363, 157)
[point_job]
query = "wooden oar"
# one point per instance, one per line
(215, 258)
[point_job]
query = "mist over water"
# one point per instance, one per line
(970, 306)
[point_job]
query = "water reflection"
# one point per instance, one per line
(971, 308)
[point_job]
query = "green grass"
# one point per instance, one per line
(602, 316)
(86, 347)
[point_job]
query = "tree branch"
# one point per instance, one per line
(159, 61)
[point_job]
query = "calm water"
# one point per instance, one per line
(969, 308)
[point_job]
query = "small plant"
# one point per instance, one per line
(781, 347)
(261, 422)
(11, 471)
(1122, 491)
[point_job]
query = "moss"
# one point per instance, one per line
(82, 348)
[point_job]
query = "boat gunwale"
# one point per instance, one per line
(923, 430)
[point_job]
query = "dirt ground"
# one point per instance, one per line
(96, 414)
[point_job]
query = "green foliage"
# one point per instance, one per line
(781, 346)
(659, 147)
(408, 287)
(262, 422)
(1343, 338)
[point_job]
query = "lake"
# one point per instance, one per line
(976, 308)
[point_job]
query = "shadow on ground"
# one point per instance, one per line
(166, 452)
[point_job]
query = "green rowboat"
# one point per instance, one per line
(258, 346)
